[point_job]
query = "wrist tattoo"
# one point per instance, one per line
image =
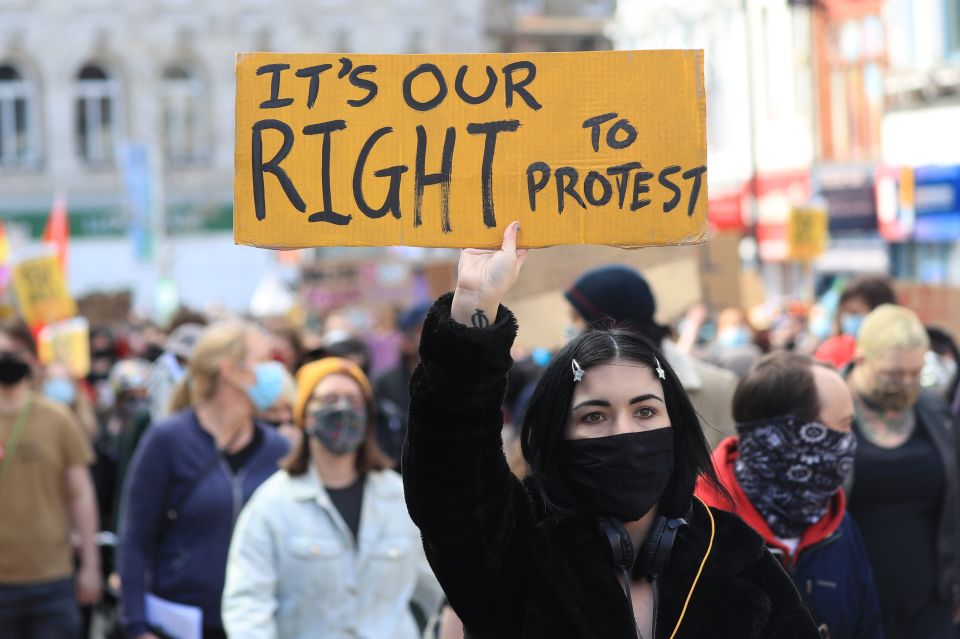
(479, 319)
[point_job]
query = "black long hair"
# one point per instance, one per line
(545, 421)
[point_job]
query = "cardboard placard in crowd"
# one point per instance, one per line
(807, 234)
(67, 342)
(41, 289)
(935, 305)
(604, 147)
(543, 314)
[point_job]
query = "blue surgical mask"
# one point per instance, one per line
(60, 390)
(541, 357)
(269, 385)
(736, 336)
(850, 324)
(820, 326)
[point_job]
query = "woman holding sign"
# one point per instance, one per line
(604, 539)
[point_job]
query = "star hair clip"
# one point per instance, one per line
(660, 371)
(577, 371)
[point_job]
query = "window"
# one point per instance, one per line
(952, 23)
(97, 115)
(182, 116)
(18, 132)
(855, 88)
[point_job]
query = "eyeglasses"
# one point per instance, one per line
(326, 401)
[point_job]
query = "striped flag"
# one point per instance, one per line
(57, 231)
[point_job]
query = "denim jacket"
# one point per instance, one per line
(294, 570)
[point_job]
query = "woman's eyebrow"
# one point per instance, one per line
(592, 402)
(643, 398)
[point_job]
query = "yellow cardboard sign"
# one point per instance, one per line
(807, 233)
(41, 291)
(601, 147)
(67, 342)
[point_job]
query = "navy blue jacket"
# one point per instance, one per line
(841, 558)
(189, 562)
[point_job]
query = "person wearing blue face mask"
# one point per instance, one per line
(60, 389)
(326, 547)
(58, 384)
(860, 296)
(191, 475)
(733, 349)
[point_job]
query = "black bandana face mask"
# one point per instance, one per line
(620, 476)
(791, 471)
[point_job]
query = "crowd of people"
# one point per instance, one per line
(729, 478)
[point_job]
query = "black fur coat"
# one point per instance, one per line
(512, 571)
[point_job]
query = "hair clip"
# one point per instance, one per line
(577, 371)
(660, 370)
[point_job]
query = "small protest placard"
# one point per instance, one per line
(807, 239)
(445, 150)
(67, 342)
(42, 293)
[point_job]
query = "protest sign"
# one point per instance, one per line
(544, 313)
(935, 304)
(807, 238)
(41, 291)
(603, 147)
(725, 283)
(67, 342)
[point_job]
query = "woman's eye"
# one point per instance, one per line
(645, 412)
(593, 418)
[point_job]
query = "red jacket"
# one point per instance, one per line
(724, 457)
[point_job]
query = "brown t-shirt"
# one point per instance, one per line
(34, 498)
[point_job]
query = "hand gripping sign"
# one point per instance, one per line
(444, 150)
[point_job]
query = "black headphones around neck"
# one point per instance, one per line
(655, 551)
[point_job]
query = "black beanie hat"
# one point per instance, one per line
(616, 292)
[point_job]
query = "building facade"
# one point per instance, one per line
(920, 151)
(760, 110)
(84, 82)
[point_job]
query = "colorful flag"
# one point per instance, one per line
(5, 269)
(57, 231)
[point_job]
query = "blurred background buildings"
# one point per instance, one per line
(127, 110)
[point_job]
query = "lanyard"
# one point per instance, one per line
(14, 441)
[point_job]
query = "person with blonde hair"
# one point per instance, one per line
(191, 475)
(325, 548)
(906, 478)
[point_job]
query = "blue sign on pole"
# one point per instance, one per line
(135, 165)
(937, 196)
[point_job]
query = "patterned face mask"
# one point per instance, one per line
(340, 428)
(791, 470)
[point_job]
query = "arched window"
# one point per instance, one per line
(98, 104)
(183, 131)
(19, 144)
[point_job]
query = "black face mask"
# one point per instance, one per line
(621, 476)
(132, 407)
(12, 369)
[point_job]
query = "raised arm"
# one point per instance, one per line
(472, 512)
